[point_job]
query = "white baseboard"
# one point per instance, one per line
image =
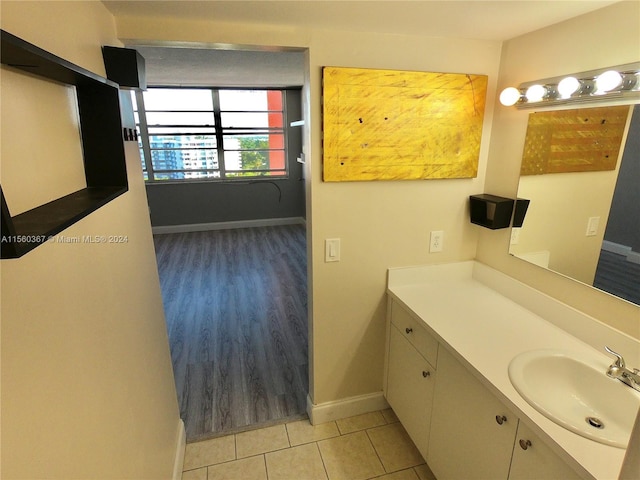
(203, 227)
(347, 407)
(624, 250)
(181, 446)
(615, 248)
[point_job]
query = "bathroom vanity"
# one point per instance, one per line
(452, 332)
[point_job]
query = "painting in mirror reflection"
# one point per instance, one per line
(586, 225)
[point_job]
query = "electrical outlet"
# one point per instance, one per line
(436, 241)
(515, 235)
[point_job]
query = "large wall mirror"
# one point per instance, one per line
(584, 221)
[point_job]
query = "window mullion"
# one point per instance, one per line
(217, 120)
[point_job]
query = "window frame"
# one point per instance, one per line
(220, 132)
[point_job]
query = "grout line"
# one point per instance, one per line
(231, 461)
(235, 446)
(266, 470)
(397, 471)
(326, 472)
(376, 450)
(415, 470)
(317, 443)
(287, 432)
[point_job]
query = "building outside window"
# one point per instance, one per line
(208, 134)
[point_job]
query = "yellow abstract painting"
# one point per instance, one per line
(399, 125)
(577, 140)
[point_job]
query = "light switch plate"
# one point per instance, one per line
(332, 250)
(592, 226)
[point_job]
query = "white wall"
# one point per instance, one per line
(380, 224)
(87, 383)
(603, 38)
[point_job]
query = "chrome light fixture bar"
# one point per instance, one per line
(606, 84)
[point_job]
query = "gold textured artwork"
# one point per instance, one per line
(392, 125)
(578, 140)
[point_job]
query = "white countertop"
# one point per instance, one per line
(485, 330)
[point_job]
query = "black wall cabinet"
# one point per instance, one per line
(102, 147)
(125, 66)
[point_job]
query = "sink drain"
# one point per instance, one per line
(595, 422)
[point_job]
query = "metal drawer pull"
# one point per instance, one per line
(408, 330)
(426, 374)
(524, 444)
(501, 419)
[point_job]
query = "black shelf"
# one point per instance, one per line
(490, 211)
(36, 226)
(102, 148)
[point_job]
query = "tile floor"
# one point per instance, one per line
(373, 445)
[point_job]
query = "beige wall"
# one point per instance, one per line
(557, 217)
(87, 384)
(387, 224)
(86, 374)
(380, 224)
(603, 38)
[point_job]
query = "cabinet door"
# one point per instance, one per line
(472, 432)
(410, 382)
(533, 460)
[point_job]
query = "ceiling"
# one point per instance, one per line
(485, 20)
(495, 20)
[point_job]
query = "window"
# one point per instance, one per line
(210, 134)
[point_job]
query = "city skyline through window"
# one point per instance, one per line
(210, 134)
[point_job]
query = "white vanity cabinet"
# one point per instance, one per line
(472, 432)
(533, 460)
(470, 322)
(474, 436)
(410, 377)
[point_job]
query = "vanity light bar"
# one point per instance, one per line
(606, 84)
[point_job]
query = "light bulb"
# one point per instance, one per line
(535, 93)
(607, 81)
(509, 96)
(630, 81)
(568, 86)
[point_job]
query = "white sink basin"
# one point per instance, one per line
(576, 394)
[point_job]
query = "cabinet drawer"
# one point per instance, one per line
(415, 332)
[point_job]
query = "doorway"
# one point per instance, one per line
(235, 291)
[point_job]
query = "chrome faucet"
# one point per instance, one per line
(619, 371)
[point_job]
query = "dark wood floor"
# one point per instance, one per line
(618, 276)
(236, 309)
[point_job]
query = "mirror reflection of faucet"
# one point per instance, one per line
(619, 371)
